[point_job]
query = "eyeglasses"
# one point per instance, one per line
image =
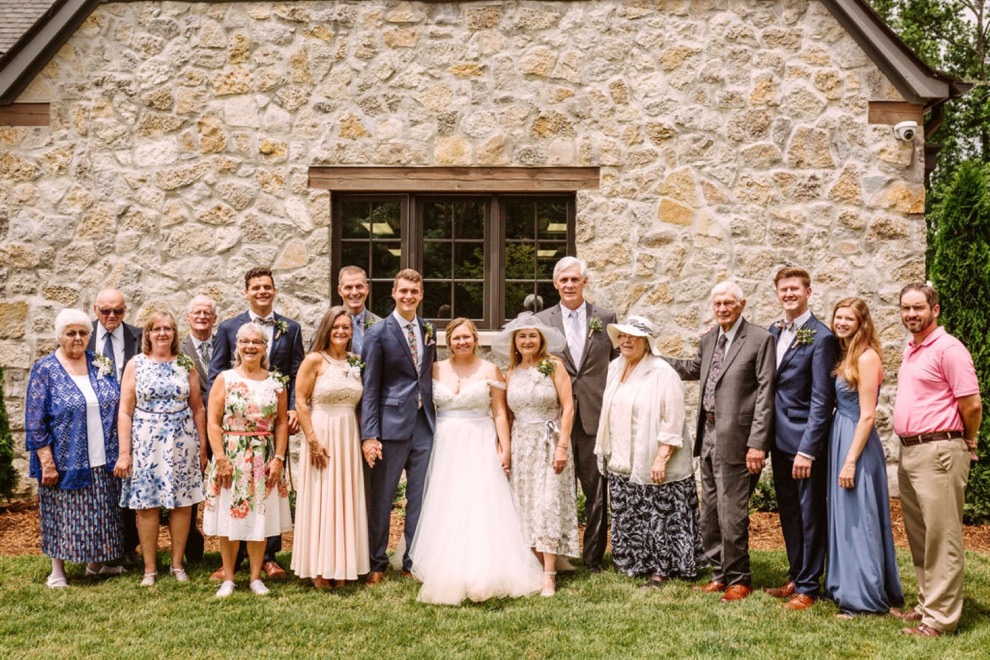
(162, 330)
(251, 342)
(77, 333)
(111, 311)
(201, 313)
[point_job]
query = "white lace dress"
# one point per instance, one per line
(547, 500)
(469, 543)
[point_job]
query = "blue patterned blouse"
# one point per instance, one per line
(55, 416)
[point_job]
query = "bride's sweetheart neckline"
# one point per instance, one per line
(464, 386)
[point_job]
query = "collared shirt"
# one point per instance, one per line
(269, 329)
(729, 336)
(933, 376)
(786, 338)
(117, 339)
(419, 333)
(575, 343)
(197, 343)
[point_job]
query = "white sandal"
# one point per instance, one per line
(258, 588)
(105, 571)
(226, 589)
(56, 582)
(552, 589)
(179, 574)
(149, 579)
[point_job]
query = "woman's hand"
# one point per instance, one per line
(49, 473)
(122, 469)
(204, 461)
(224, 471)
(274, 472)
(506, 457)
(658, 472)
(319, 457)
(559, 459)
(847, 476)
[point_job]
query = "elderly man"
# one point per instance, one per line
(118, 342)
(589, 350)
(937, 416)
(352, 285)
(735, 365)
(201, 315)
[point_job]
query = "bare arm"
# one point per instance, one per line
(277, 462)
(125, 420)
(198, 415)
(870, 375)
(305, 381)
(971, 411)
(501, 416)
(214, 429)
(563, 384)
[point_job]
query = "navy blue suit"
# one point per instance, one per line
(390, 411)
(804, 401)
(286, 355)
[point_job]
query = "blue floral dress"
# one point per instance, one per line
(164, 443)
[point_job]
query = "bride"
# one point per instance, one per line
(469, 541)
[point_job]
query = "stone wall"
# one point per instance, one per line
(731, 135)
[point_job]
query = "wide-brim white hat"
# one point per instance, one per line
(502, 344)
(636, 326)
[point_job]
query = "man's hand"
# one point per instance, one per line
(755, 460)
(802, 467)
(372, 450)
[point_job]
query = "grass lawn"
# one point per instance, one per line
(602, 615)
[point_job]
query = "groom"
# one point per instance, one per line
(397, 415)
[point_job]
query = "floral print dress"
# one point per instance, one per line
(248, 510)
(164, 443)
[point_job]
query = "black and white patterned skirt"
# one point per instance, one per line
(656, 529)
(82, 525)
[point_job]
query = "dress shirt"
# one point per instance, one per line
(269, 329)
(786, 338)
(117, 339)
(729, 336)
(357, 336)
(419, 333)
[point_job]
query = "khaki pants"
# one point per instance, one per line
(932, 479)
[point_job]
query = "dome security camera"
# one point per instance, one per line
(905, 130)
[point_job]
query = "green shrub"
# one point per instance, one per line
(8, 475)
(960, 271)
(765, 496)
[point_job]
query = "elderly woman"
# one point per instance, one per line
(654, 501)
(71, 430)
(538, 393)
(162, 429)
(246, 495)
(331, 535)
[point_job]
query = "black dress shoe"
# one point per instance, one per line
(594, 568)
(655, 582)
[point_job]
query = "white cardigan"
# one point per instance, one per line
(657, 418)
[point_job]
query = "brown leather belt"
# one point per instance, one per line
(912, 440)
(709, 417)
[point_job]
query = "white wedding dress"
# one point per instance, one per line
(469, 543)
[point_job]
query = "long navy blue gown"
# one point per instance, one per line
(862, 566)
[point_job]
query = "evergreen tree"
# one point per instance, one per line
(960, 271)
(8, 475)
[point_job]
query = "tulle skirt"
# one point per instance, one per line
(469, 543)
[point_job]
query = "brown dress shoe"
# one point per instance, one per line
(710, 588)
(374, 577)
(217, 575)
(735, 592)
(799, 602)
(273, 570)
(922, 630)
(905, 615)
(406, 573)
(785, 591)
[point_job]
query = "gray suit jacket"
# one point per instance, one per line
(743, 392)
(189, 348)
(587, 378)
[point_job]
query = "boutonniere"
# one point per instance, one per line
(104, 367)
(281, 327)
(183, 361)
(279, 377)
(804, 337)
(594, 325)
(355, 365)
(368, 321)
(428, 332)
(546, 366)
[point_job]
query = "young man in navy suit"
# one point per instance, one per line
(285, 354)
(397, 415)
(807, 352)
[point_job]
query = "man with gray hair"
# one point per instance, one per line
(735, 364)
(586, 359)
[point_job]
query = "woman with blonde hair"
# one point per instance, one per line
(862, 568)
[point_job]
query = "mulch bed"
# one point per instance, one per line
(20, 531)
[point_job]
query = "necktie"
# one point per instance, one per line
(357, 336)
(576, 339)
(411, 338)
(784, 325)
(708, 401)
(205, 352)
(108, 352)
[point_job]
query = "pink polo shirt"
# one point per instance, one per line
(932, 377)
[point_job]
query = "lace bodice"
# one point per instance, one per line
(339, 385)
(473, 397)
(532, 396)
(160, 387)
